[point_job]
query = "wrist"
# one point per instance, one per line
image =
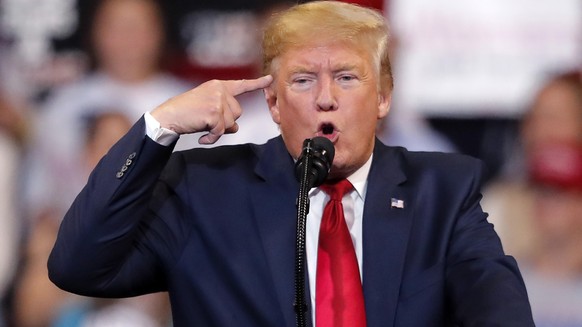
(164, 116)
(157, 132)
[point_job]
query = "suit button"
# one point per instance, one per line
(119, 174)
(131, 156)
(128, 162)
(123, 169)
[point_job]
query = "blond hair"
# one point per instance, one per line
(324, 22)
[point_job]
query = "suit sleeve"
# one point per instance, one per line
(105, 245)
(484, 285)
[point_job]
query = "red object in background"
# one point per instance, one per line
(180, 66)
(377, 4)
(557, 165)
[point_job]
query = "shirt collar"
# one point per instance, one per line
(359, 178)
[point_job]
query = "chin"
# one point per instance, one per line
(340, 170)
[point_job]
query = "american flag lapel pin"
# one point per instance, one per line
(396, 203)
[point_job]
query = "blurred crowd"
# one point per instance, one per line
(52, 135)
(536, 204)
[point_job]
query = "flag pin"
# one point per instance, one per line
(396, 203)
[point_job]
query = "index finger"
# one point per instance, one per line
(237, 87)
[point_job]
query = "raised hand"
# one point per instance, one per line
(210, 107)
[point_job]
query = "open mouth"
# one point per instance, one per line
(329, 131)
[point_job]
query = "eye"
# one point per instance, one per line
(347, 78)
(301, 82)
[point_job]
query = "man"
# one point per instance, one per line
(216, 227)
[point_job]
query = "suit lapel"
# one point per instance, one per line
(385, 235)
(274, 197)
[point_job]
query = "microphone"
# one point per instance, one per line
(315, 161)
(311, 170)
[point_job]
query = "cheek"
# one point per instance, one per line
(294, 111)
(293, 124)
(364, 121)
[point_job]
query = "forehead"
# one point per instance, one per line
(126, 9)
(332, 55)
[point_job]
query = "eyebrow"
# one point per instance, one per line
(345, 67)
(300, 70)
(306, 70)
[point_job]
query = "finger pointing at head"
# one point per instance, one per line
(237, 87)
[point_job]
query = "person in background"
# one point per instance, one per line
(127, 39)
(37, 301)
(216, 227)
(537, 210)
(552, 264)
(127, 42)
(555, 115)
(13, 138)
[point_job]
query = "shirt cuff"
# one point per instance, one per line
(156, 132)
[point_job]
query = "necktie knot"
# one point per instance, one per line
(337, 190)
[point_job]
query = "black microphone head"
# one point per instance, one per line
(325, 148)
(319, 152)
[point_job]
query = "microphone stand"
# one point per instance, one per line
(302, 211)
(311, 169)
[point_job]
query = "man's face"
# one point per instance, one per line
(329, 90)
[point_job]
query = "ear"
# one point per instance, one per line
(273, 104)
(384, 102)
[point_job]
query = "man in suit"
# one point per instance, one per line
(216, 227)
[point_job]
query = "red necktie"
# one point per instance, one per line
(338, 292)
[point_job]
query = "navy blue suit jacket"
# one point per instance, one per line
(216, 229)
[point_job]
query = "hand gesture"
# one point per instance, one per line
(210, 107)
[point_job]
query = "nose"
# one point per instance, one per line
(326, 97)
